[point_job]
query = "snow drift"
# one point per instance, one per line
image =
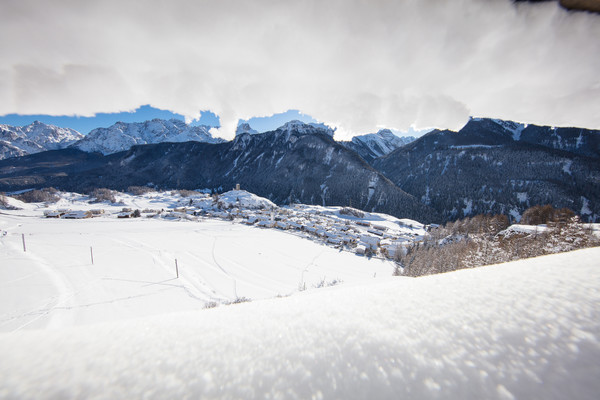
(527, 329)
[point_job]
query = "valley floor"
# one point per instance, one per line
(54, 283)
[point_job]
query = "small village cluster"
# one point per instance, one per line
(331, 226)
(349, 229)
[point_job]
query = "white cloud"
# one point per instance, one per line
(354, 64)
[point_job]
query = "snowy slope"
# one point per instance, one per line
(296, 126)
(528, 329)
(55, 284)
(374, 145)
(382, 142)
(33, 138)
(245, 128)
(121, 136)
(244, 199)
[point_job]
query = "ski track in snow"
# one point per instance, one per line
(134, 268)
(45, 309)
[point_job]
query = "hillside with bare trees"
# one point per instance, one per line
(487, 239)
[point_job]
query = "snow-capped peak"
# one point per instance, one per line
(245, 128)
(34, 138)
(382, 142)
(303, 127)
(121, 136)
(513, 127)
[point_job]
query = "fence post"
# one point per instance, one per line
(23, 237)
(92, 254)
(176, 268)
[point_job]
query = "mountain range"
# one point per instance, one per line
(489, 166)
(16, 141)
(499, 167)
(296, 163)
(36, 137)
(121, 136)
(375, 145)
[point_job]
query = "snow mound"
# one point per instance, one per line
(243, 199)
(523, 229)
(10, 203)
(527, 329)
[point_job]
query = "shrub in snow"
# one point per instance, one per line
(238, 300)
(211, 304)
(139, 190)
(538, 215)
(46, 195)
(4, 204)
(102, 194)
(187, 193)
(352, 211)
(324, 283)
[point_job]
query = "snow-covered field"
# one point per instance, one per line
(54, 283)
(125, 326)
(528, 329)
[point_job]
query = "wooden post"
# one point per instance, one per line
(23, 237)
(92, 255)
(176, 268)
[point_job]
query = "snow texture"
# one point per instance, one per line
(527, 329)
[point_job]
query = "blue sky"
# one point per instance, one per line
(86, 124)
(264, 124)
(239, 62)
(144, 113)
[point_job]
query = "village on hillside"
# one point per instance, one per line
(345, 228)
